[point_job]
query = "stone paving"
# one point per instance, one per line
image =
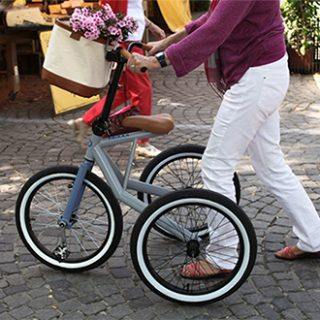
(31, 139)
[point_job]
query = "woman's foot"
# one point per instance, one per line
(147, 150)
(202, 270)
(294, 253)
(80, 130)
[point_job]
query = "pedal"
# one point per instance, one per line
(61, 253)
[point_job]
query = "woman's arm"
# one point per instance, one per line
(175, 37)
(194, 25)
(154, 29)
(157, 46)
(194, 49)
(138, 62)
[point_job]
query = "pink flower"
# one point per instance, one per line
(121, 24)
(113, 30)
(102, 23)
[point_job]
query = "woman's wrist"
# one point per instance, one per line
(168, 42)
(155, 63)
(176, 37)
(161, 60)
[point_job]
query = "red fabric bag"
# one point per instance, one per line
(117, 5)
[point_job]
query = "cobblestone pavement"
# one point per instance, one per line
(32, 140)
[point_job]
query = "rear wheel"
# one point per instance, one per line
(178, 168)
(160, 261)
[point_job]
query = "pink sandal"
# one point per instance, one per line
(289, 253)
(202, 270)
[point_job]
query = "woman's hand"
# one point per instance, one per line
(156, 31)
(138, 62)
(157, 46)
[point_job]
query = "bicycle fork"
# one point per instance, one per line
(67, 219)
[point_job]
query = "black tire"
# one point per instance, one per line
(144, 258)
(167, 157)
(179, 152)
(94, 185)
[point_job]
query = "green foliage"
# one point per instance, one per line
(302, 23)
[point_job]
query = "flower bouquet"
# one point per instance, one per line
(75, 60)
(102, 23)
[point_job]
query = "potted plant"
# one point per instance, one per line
(301, 19)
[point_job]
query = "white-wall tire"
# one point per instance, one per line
(179, 198)
(103, 192)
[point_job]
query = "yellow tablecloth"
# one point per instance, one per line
(176, 13)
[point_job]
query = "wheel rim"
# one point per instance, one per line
(187, 180)
(185, 172)
(195, 182)
(93, 230)
(178, 172)
(182, 289)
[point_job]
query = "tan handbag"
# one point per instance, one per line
(74, 63)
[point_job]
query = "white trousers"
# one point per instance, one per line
(248, 121)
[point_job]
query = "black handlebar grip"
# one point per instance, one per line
(134, 44)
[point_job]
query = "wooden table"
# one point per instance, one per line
(10, 37)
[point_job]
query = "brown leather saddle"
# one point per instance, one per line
(130, 121)
(158, 124)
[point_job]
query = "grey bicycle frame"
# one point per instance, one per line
(118, 182)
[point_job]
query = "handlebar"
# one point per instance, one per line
(127, 53)
(140, 45)
(120, 56)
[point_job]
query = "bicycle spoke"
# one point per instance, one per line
(88, 232)
(167, 264)
(77, 238)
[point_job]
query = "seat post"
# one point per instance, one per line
(130, 163)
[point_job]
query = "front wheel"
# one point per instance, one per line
(161, 262)
(96, 225)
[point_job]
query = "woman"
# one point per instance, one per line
(134, 87)
(249, 36)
